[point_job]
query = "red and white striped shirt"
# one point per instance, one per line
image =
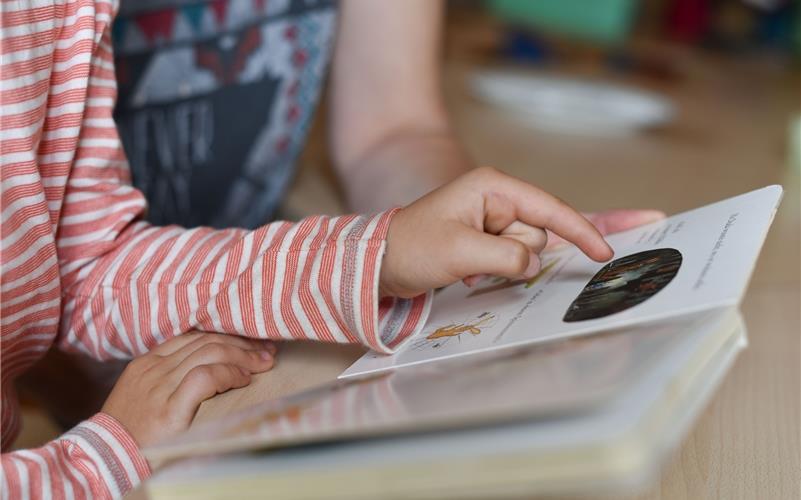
(82, 271)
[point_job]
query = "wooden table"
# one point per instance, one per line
(729, 136)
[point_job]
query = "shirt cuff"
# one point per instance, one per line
(401, 319)
(120, 464)
(381, 325)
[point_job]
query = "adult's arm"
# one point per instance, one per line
(390, 137)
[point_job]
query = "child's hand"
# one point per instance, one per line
(158, 393)
(613, 221)
(484, 222)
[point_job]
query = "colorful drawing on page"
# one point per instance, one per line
(504, 283)
(440, 336)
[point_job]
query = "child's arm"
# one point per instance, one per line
(128, 286)
(156, 397)
(317, 279)
(96, 459)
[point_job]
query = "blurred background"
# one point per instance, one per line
(669, 104)
(697, 90)
(665, 104)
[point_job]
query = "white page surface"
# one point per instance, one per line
(693, 261)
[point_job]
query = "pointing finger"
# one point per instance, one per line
(535, 207)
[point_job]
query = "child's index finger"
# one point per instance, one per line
(582, 234)
(539, 208)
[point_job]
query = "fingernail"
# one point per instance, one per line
(266, 355)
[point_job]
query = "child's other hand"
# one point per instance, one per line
(485, 222)
(158, 393)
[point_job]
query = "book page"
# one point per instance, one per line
(535, 382)
(693, 261)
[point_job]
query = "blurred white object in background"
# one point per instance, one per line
(764, 4)
(570, 105)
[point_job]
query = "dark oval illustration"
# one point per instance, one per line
(624, 283)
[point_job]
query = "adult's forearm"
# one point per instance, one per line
(402, 168)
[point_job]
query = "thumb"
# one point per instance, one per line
(481, 253)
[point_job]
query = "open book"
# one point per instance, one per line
(694, 261)
(585, 415)
(589, 413)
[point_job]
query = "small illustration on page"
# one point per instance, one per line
(625, 283)
(444, 334)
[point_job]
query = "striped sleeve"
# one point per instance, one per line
(76, 252)
(316, 279)
(96, 459)
(128, 285)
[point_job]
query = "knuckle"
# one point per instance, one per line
(543, 238)
(517, 258)
(232, 374)
(151, 394)
(537, 238)
(531, 240)
(213, 349)
(200, 374)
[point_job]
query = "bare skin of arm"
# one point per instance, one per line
(390, 137)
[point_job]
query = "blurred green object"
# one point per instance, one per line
(600, 21)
